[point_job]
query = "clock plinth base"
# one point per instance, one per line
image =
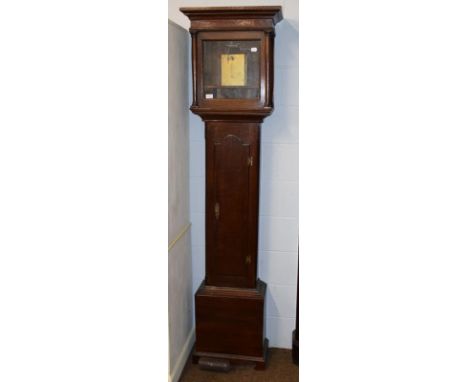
(230, 324)
(260, 362)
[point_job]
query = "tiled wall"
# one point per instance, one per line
(279, 192)
(179, 262)
(279, 186)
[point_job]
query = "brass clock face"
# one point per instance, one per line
(231, 69)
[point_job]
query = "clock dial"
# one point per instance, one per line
(231, 69)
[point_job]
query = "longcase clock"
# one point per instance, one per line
(232, 66)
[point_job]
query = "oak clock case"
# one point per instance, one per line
(232, 66)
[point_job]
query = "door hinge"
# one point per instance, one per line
(250, 161)
(248, 260)
(216, 210)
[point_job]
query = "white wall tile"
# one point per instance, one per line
(278, 267)
(287, 84)
(198, 270)
(197, 128)
(279, 162)
(278, 234)
(281, 300)
(198, 266)
(197, 158)
(287, 43)
(280, 199)
(198, 229)
(197, 195)
(279, 331)
(282, 126)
